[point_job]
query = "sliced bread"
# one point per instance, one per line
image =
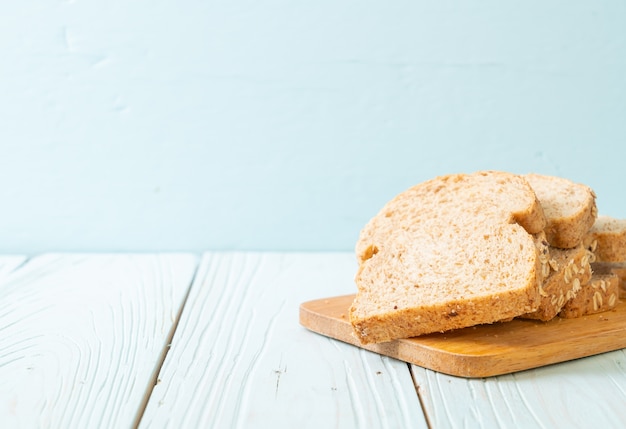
(569, 271)
(451, 252)
(607, 239)
(570, 208)
(600, 294)
(617, 268)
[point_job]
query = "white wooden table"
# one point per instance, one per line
(213, 340)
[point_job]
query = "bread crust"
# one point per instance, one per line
(607, 239)
(454, 314)
(569, 272)
(567, 223)
(600, 294)
(619, 269)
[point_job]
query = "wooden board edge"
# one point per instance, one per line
(466, 366)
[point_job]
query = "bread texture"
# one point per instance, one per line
(451, 252)
(570, 270)
(570, 208)
(619, 269)
(607, 239)
(600, 294)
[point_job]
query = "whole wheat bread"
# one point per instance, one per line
(600, 294)
(570, 208)
(451, 252)
(617, 268)
(607, 239)
(569, 271)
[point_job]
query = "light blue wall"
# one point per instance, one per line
(285, 125)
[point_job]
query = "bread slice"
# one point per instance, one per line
(607, 239)
(570, 208)
(451, 252)
(601, 294)
(569, 271)
(617, 268)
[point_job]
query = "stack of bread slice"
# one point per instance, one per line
(570, 210)
(468, 249)
(607, 241)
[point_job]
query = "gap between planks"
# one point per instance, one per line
(419, 397)
(154, 379)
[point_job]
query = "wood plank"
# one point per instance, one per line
(485, 350)
(584, 393)
(240, 359)
(82, 336)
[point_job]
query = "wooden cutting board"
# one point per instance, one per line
(485, 350)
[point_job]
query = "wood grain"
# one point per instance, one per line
(240, 359)
(486, 350)
(583, 393)
(81, 336)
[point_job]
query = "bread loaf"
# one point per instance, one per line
(569, 271)
(600, 294)
(619, 269)
(570, 209)
(451, 252)
(607, 239)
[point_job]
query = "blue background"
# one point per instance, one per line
(286, 125)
